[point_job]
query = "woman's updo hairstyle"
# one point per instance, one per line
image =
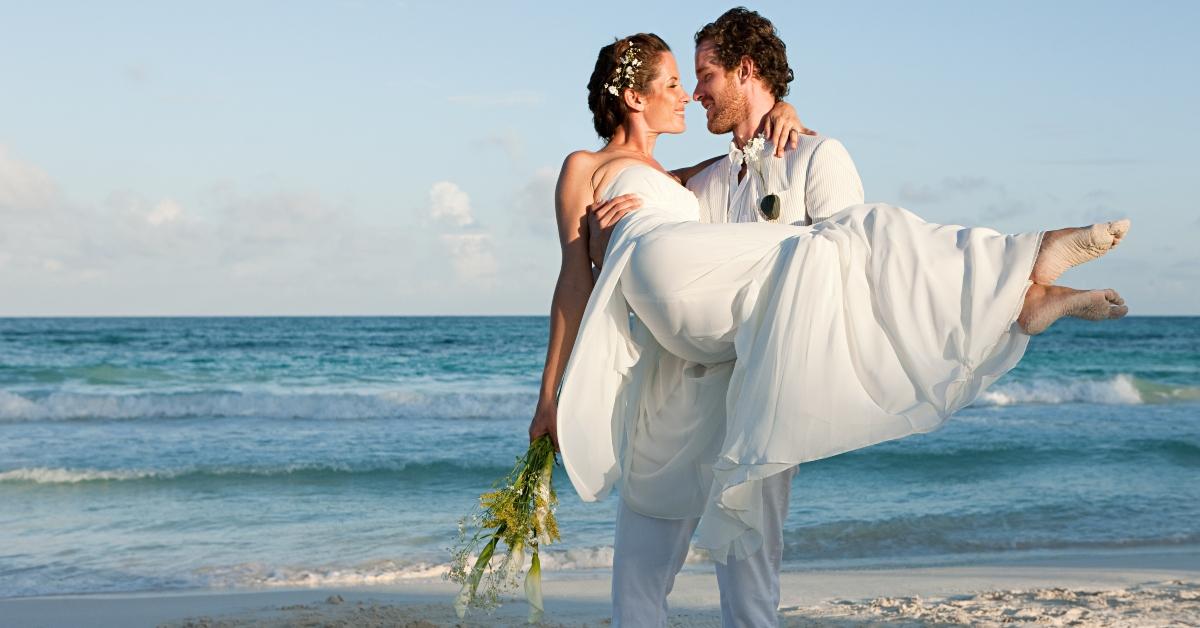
(632, 63)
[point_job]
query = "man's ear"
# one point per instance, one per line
(746, 69)
(633, 100)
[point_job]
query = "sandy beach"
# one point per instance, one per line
(1145, 589)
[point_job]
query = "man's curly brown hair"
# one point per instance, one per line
(741, 32)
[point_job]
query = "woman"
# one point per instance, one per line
(867, 327)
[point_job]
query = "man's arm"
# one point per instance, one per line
(833, 181)
(601, 218)
(683, 175)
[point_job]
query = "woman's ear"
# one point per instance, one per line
(633, 100)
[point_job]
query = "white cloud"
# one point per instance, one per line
(226, 250)
(471, 254)
(469, 249)
(282, 251)
(449, 204)
(166, 211)
(24, 187)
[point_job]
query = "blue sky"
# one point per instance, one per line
(399, 157)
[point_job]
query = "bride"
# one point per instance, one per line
(869, 326)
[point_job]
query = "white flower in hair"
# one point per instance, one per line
(623, 76)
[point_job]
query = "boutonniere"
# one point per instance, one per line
(769, 205)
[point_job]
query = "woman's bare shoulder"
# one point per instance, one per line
(594, 168)
(598, 168)
(575, 177)
(580, 162)
(608, 170)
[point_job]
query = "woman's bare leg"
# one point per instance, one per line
(1046, 304)
(1064, 248)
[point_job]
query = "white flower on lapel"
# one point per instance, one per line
(752, 152)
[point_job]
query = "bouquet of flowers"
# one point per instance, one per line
(518, 511)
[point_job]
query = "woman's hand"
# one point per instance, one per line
(545, 421)
(783, 127)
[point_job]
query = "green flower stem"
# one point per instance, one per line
(533, 589)
(481, 563)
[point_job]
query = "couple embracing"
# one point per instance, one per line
(751, 314)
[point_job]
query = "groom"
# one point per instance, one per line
(741, 71)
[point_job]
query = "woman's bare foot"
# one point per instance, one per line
(1064, 248)
(1046, 304)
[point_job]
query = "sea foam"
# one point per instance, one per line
(220, 404)
(1117, 390)
(253, 575)
(416, 471)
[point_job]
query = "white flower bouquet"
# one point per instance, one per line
(519, 512)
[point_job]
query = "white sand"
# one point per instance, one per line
(1147, 589)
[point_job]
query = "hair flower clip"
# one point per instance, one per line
(623, 76)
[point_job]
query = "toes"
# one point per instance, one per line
(1117, 229)
(1112, 297)
(1117, 311)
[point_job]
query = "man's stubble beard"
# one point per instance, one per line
(730, 111)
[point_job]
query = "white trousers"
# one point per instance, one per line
(649, 551)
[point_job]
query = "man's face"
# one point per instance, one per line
(717, 91)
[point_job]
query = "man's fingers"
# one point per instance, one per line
(603, 209)
(615, 217)
(793, 139)
(778, 139)
(617, 207)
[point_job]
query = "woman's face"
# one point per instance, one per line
(666, 98)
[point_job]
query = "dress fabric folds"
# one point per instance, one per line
(755, 347)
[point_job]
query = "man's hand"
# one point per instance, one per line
(783, 127)
(600, 219)
(545, 421)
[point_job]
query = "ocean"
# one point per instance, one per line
(151, 454)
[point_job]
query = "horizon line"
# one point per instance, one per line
(68, 316)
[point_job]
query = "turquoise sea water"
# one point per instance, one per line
(167, 453)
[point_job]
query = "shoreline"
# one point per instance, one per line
(1128, 589)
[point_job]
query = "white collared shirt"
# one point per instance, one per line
(813, 182)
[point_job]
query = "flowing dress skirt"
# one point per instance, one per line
(867, 327)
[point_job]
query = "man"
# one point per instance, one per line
(741, 71)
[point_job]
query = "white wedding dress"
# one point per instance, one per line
(869, 326)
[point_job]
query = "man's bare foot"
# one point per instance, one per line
(1064, 248)
(1046, 304)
